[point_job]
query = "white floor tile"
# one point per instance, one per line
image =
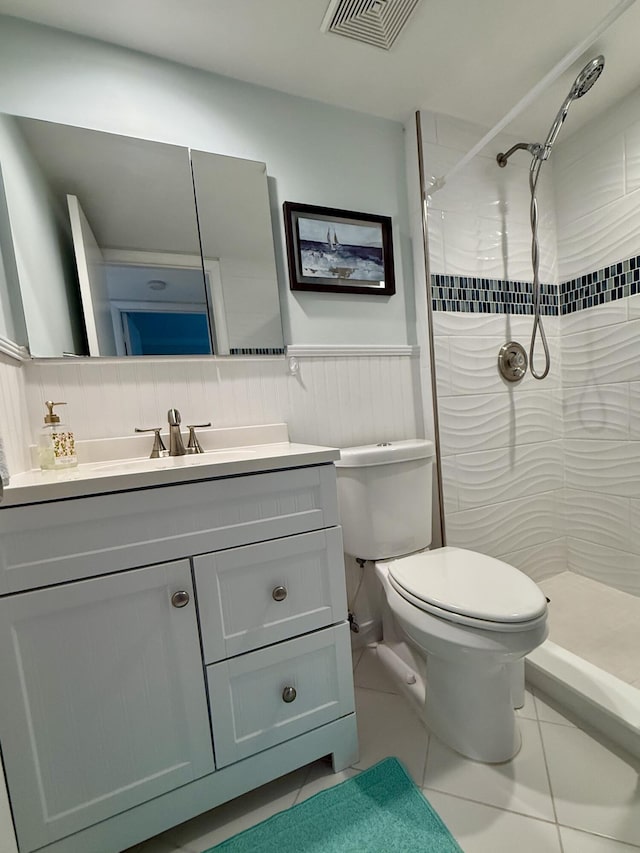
(215, 826)
(483, 829)
(387, 726)
(321, 776)
(520, 785)
(574, 841)
(371, 674)
(549, 712)
(593, 788)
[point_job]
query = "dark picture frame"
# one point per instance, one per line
(338, 251)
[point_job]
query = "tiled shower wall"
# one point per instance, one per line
(553, 466)
(501, 443)
(597, 174)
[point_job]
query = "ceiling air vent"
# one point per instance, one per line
(375, 22)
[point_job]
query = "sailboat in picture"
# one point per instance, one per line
(332, 239)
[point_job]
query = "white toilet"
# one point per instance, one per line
(456, 623)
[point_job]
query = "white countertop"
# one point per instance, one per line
(96, 478)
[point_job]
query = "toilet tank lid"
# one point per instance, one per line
(385, 453)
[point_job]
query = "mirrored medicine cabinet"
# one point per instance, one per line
(115, 246)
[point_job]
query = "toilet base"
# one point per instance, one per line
(470, 710)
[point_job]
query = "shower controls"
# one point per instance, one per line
(512, 361)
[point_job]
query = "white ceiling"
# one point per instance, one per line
(474, 59)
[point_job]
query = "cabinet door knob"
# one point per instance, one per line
(289, 694)
(180, 598)
(279, 593)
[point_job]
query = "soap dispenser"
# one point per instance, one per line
(56, 444)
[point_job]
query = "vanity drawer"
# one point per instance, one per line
(269, 696)
(261, 594)
(65, 540)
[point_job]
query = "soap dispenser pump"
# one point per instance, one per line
(56, 444)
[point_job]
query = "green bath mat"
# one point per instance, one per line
(378, 811)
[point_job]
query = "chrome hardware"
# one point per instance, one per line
(289, 694)
(193, 445)
(176, 445)
(180, 598)
(158, 444)
(279, 593)
(512, 361)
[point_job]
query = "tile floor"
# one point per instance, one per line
(604, 641)
(565, 792)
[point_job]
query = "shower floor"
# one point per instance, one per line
(596, 622)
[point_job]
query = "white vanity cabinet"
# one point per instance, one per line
(163, 650)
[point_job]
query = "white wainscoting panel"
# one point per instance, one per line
(14, 422)
(331, 401)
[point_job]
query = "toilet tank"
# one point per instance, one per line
(384, 495)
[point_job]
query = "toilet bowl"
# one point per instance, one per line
(455, 621)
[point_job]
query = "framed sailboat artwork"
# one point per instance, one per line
(338, 251)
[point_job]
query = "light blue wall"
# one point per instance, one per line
(315, 154)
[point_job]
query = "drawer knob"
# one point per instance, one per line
(279, 593)
(180, 598)
(289, 694)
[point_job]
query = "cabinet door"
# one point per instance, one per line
(103, 704)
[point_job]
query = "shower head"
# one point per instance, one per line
(581, 85)
(587, 77)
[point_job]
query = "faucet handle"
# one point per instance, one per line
(193, 445)
(158, 444)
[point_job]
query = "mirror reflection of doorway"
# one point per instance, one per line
(161, 332)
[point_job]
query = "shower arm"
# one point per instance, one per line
(533, 148)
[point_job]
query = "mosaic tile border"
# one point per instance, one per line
(501, 296)
(615, 281)
(490, 295)
(256, 351)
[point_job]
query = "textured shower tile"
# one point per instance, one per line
(598, 238)
(605, 167)
(450, 485)
(488, 421)
(596, 411)
(632, 155)
(609, 467)
(616, 568)
(596, 517)
(495, 475)
(507, 526)
(466, 324)
(634, 410)
(442, 366)
(540, 561)
(474, 366)
(633, 306)
(436, 241)
(474, 246)
(607, 314)
(634, 527)
(601, 356)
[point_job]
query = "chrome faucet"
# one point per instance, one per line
(176, 445)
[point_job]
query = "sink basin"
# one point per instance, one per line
(165, 462)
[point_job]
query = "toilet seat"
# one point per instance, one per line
(469, 588)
